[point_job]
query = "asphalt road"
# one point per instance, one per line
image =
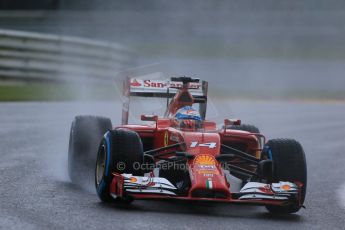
(36, 193)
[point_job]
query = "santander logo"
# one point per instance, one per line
(154, 84)
(160, 84)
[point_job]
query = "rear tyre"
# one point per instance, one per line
(120, 151)
(289, 164)
(244, 127)
(85, 135)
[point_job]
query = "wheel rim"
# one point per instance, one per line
(100, 166)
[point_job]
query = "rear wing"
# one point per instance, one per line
(161, 89)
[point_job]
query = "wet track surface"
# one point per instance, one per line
(36, 194)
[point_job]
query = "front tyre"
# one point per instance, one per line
(120, 151)
(289, 164)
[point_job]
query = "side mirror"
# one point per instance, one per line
(232, 122)
(149, 118)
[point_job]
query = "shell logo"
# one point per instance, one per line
(205, 160)
(205, 164)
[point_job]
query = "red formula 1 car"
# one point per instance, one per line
(184, 156)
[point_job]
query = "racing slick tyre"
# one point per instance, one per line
(120, 151)
(289, 164)
(85, 135)
(244, 127)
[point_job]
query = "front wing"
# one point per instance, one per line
(137, 187)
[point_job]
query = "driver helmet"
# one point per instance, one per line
(188, 118)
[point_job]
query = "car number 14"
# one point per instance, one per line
(210, 145)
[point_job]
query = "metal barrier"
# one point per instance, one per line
(30, 56)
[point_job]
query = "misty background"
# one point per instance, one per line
(286, 51)
(258, 49)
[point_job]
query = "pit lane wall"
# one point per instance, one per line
(29, 56)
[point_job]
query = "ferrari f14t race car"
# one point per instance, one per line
(184, 156)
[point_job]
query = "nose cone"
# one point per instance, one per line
(207, 177)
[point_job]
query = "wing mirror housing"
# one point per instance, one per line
(149, 118)
(232, 122)
(228, 122)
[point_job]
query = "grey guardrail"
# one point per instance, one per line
(34, 56)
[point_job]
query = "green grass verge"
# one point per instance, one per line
(303, 95)
(55, 92)
(212, 49)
